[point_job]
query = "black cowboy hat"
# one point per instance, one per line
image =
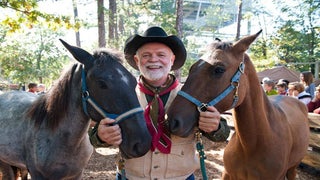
(155, 34)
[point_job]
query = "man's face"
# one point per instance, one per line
(154, 60)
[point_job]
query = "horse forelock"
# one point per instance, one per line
(212, 48)
(222, 45)
(103, 55)
(53, 105)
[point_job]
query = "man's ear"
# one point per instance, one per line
(136, 59)
(172, 59)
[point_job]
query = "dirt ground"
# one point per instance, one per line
(102, 164)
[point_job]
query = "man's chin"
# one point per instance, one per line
(153, 76)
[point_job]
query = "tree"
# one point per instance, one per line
(75, 13)
(239, 20)
(26, 14)
(297, 39)
(179, 25)
(36, 59)
(113, 33)
(101, 25)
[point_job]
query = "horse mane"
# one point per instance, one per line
(53, 105)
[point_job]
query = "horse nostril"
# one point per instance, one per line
(174, 126)
(142, 146)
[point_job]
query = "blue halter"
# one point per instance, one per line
(86, 98)
(233, 85)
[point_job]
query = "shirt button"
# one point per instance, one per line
(156, 152)
(155, 167)
(155, 178)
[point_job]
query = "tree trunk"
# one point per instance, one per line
(101, 26)
(75, 14)
(121, 20)
(239, 20)
(113, 37)
(179, 24)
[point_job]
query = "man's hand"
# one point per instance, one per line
(109, 134)
(209, 120)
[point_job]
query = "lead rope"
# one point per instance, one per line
(121, 169)
(202, 155)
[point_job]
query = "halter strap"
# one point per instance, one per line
(233, 85)
(86, 98)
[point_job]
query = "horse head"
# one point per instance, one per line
(214, 80)
(108, 90)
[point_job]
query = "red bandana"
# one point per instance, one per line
(156, 123)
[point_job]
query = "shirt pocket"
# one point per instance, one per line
(182, 160)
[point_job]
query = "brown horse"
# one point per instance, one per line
(271, 135)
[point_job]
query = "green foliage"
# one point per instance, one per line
(24, 13)
(298, 37)
(290, 44)
(186, 67)
(32, 57)
(218, 15)
(146, 13)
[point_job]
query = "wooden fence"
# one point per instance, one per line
(311, 161)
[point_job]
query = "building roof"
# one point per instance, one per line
(279, 72)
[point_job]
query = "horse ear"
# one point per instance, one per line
(79, 54)
(243, 44)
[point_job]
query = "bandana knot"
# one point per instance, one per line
(155, 112)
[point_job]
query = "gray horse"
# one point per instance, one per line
(47, 134)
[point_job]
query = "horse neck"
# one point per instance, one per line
(250, 116)
(75, 123)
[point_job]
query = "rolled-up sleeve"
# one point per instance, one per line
(221, 134)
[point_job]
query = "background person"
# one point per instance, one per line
(296, 89)
(269, 87)
(306, 78)
(282, 87)
(314, 104)
(41, 89)
(32, 88)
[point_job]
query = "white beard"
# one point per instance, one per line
(155, 75)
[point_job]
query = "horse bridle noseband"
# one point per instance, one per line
(86, 98)
(233, 85)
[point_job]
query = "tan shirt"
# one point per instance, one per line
(179, 164)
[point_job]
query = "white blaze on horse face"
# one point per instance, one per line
(123, 77)
(202, 63)
(205, 57)
(210, 57)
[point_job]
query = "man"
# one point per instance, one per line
(155, 54)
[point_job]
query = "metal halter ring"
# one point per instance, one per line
(203, 107)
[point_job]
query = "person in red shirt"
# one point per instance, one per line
(32, 88)
(314, 105)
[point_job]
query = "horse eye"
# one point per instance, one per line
(219, 70)
(102, 84)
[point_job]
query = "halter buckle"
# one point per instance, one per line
(203, 107)
(85, 95)
(241, 67)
